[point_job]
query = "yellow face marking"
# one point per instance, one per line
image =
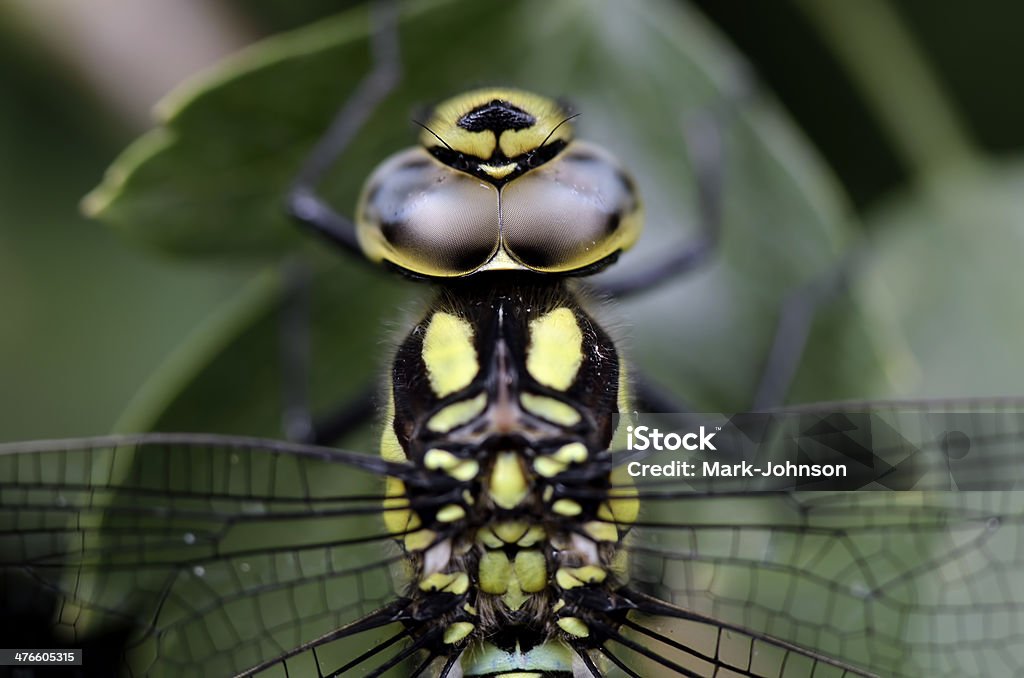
(574, 626)
(517, 142)
(508, 484)
(499, 171)
(495, 570)
(445, 123)
(553, 410)
(555, 352)
(449, 354)
(531, 571)
(457, 414)
(457, 631)
(501, 261)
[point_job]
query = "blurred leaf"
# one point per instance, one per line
(210, 181)
(943, 283)
(85, 317)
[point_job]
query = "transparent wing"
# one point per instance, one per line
(229, 555)
(926, 580)
(219, 554)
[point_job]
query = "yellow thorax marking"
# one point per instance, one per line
(457, 632)
(460, 469)
(449, 354)
(508, 484)
(531, 570)
(555, 352)
(457, 414)
(495, 572)
(551, 409)
(451, 582)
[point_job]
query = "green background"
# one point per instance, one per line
(167, 321)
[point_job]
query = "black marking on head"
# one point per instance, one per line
(496, 116)
(525, 161)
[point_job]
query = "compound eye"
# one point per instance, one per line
(570, 213)
(423, 217)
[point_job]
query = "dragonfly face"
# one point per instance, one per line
(495, 534)
(498, 184)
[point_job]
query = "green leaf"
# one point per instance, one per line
(210, 180)
(943, 282)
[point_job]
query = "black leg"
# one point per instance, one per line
(297, 417)
(651, 397)
(345, 419)
(314, 214)
(303, 202)
(704, 142)
(793, 327)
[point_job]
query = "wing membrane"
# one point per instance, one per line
(222, 551)
(923, 581)
(233, 555)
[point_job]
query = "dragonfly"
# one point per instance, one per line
(500, 530)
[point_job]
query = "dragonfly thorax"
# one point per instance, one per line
(505, 399)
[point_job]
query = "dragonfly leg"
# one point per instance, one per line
(792, 329)
(650, 396)
(705, 146)
(303, 202)
(296, 415)
(346, 418)
(297, 418)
